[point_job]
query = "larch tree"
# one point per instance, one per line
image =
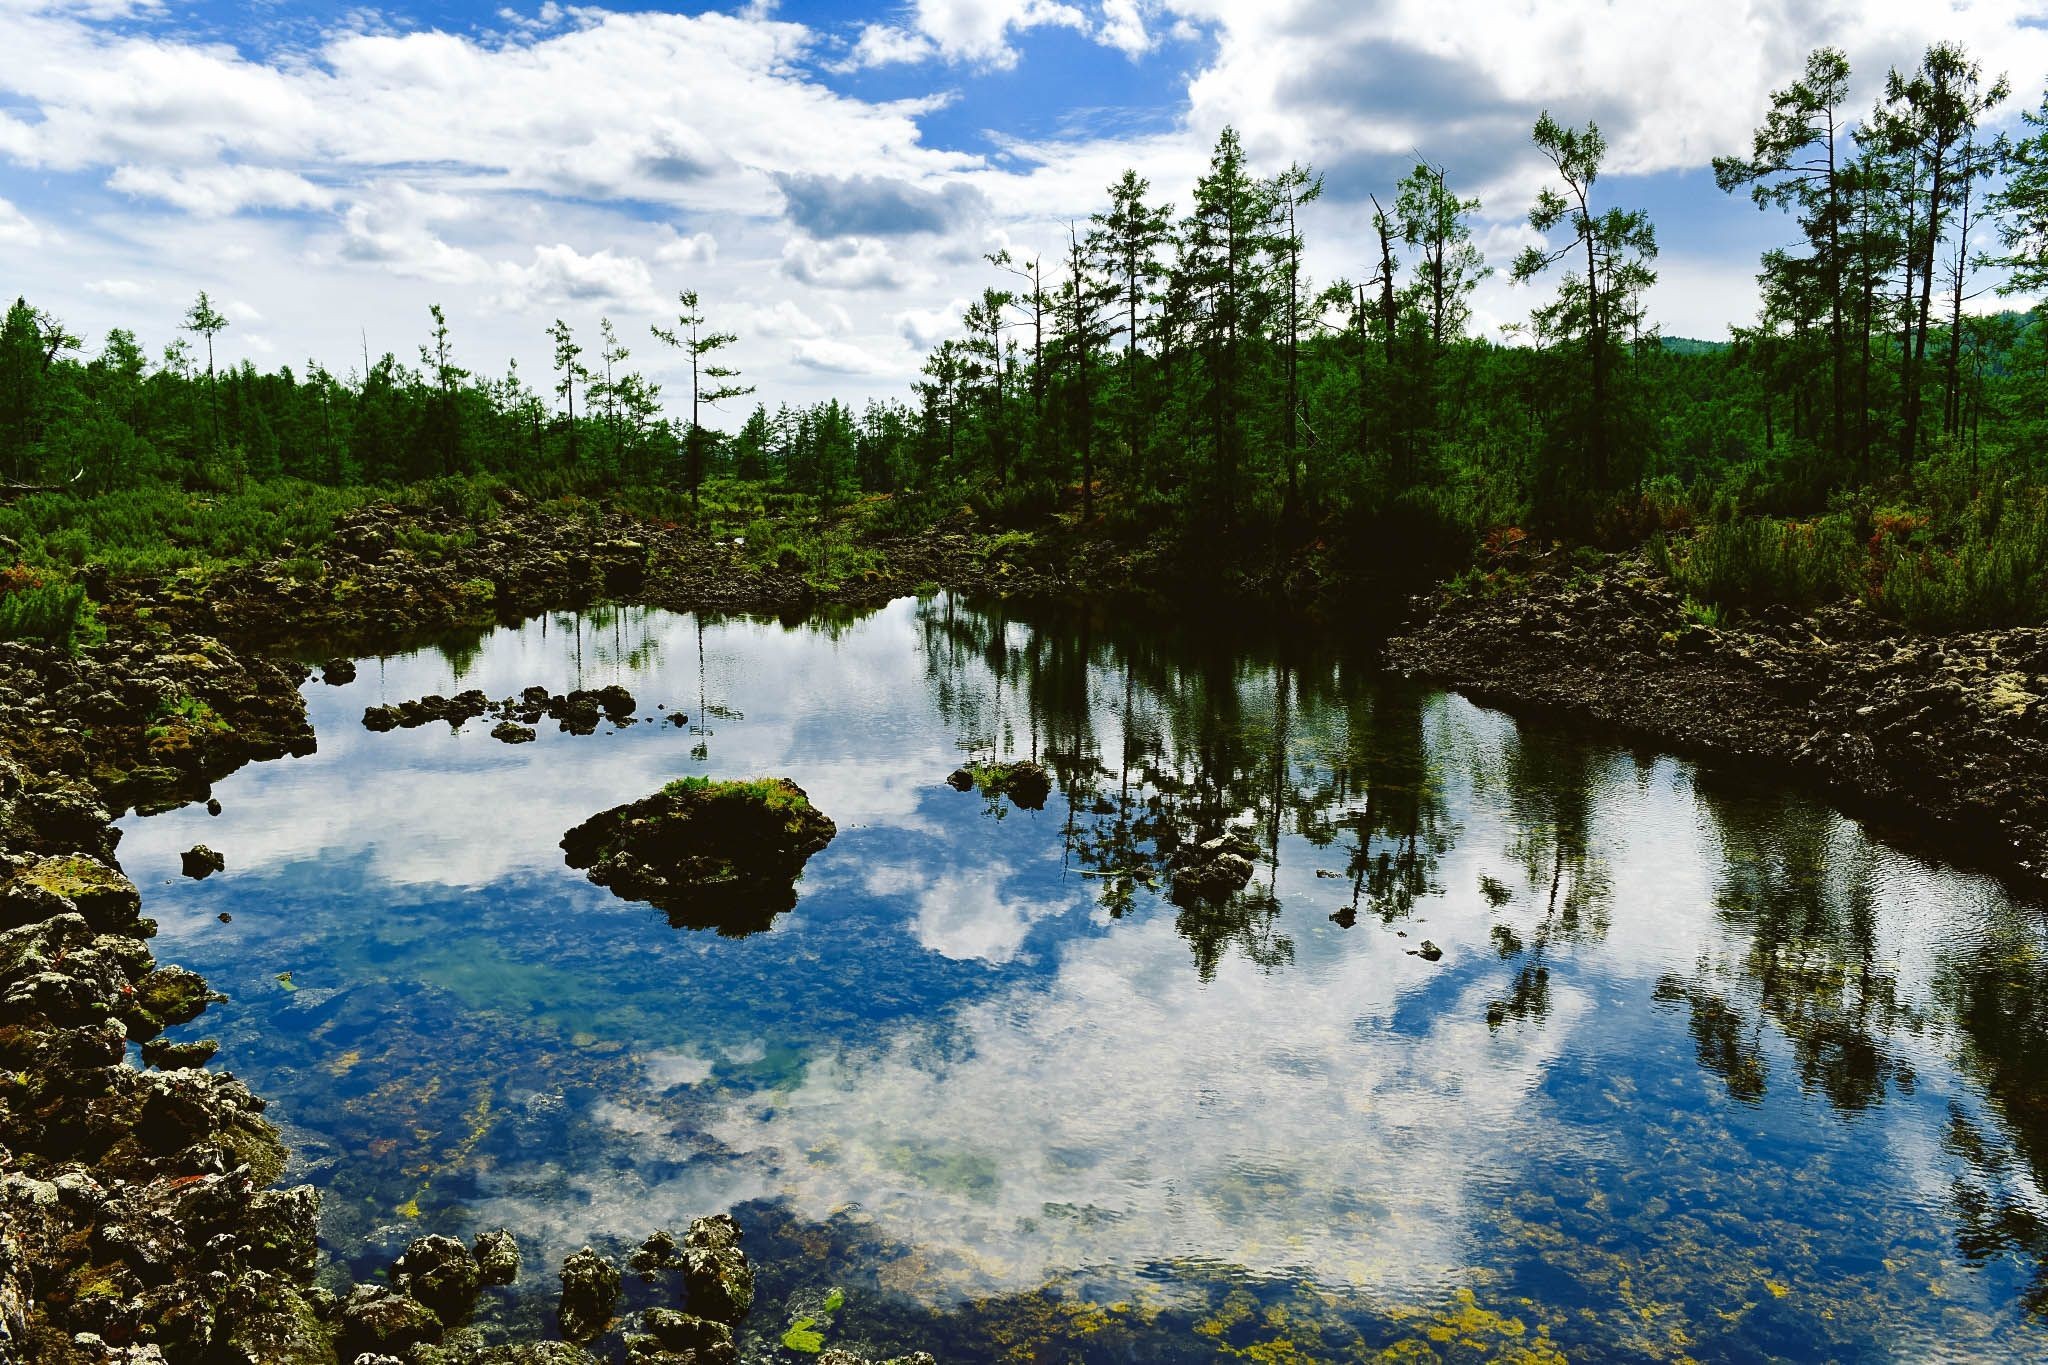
(711, 383)
(204, 320)
(1289, 191)
(1124, 241)
(1796, 162)
(569, 365)
(1603, 303)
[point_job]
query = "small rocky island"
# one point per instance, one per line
(711, 854)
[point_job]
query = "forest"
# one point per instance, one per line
(1880, 430)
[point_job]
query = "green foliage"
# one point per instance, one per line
(771, 792)
(51, 613)
(1756, 561)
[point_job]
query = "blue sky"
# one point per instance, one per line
(830, 175)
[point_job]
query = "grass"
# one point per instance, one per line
(773, 793)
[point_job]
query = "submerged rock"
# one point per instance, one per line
(497, 1256)
(169, 1056)
(590, 1293)
(440, 1273)
(722, 855)
(200, 862)
(717, 1280)
(338, 672)
(1212, 870)
(511, 732)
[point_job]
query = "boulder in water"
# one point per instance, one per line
(722, 855)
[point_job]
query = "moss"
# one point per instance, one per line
(804, 1337)
(76, 877)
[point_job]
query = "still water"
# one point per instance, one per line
(1703, 1070)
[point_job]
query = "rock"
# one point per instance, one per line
(213, 805)
(1212, 870)
(722, 855)
(440, 1273)
(717, 1281)
(168, 1056)
(375, 1320)
(200, 862)
(497, 1256)
(661, 1251)
(1345, 918)
(590, 1294)
(381, 718)
(1428, 952)
(511, 732)
(338, 672)
(1027, 784)
(691, 1337)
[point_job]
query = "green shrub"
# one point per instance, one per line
(1994, 571)
(1757, 561)
(46, 613)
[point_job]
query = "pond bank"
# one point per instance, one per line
(1940, 739)
(139, 1198)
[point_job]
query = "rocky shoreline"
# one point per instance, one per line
(139, 1214)
(140, 1218)
(1942, 742)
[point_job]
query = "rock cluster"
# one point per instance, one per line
(1025, 783)
(1946, 737)
(1212, 870)
(722, 855)
(138, 1216)
(579, 712)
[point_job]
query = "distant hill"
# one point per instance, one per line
(1690, 346)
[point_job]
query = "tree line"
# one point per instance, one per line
(1176, 364)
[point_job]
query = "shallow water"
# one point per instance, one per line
(1703, 1070)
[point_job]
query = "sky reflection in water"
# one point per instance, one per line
(1702, 1069)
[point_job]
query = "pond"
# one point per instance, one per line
(1690, 1067)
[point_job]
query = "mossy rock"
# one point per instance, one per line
(108, 900)
(723, 855)
(1027, 784)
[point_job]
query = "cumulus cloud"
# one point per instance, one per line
(562, 274)
(924, 328)
(213, 191)
(844, 263)
(976, 31)
(699, 248)
(575, 156)
(839, 357)
(15, 227)
(875, 206)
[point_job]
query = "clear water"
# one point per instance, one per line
(1703, 1070)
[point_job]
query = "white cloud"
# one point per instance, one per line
(16, 229)
(577, 160)
(214, 191)
(562, 274)
(119, 289)
(699, 248)
(860, 263)
(925, 328)
(887, 45)
(841, 357)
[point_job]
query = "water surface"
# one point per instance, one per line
(1703, 1069)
